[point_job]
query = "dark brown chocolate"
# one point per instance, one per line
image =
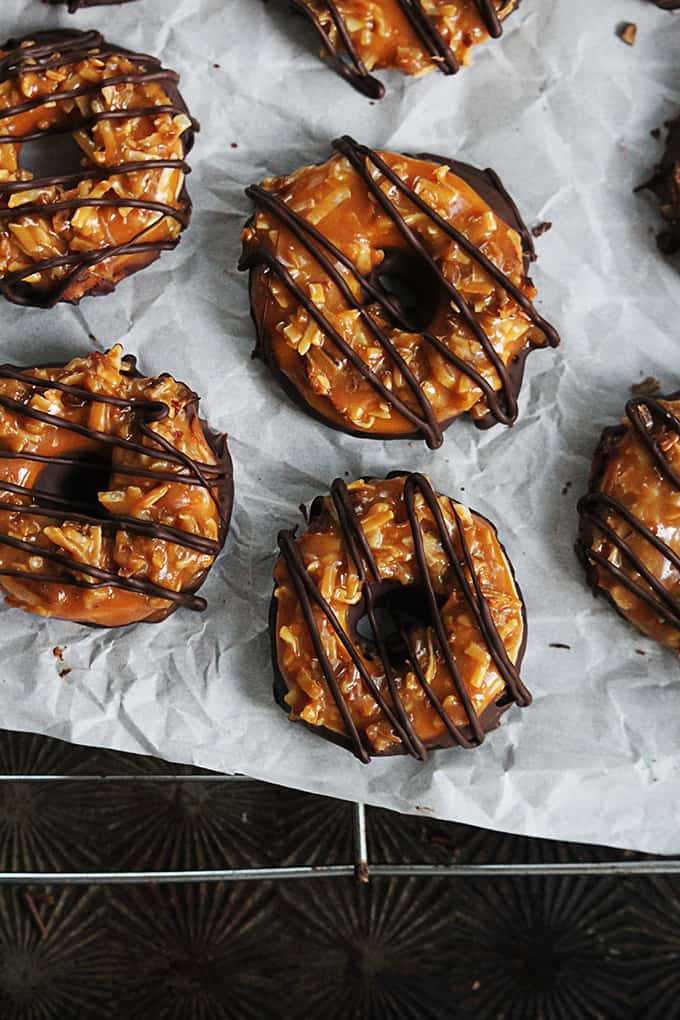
(63, 47)
(55, 499)
(348, 63)
(597, 506)
(667, 5)
(76, 5)
(665, 184)
(502, 406)
(472, 734)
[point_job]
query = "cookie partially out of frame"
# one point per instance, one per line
(63, 236)
(116, 495)
(411, 36)
(629, 538)
(665, 184)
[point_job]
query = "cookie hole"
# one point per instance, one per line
(52, 156)
(399, 612)
(410, 286)
(78, 482)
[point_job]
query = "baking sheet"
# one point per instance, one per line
(562, 109)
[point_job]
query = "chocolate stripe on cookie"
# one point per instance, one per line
(214, 478)
(347, 60)
(598, 508)
(502, 404)
(466, 583)
(48, 50)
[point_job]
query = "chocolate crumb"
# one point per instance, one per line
(655, 132)
(646, 387)
(58, 652)
(667, 242)
(541, 228)
(217, 66)
(640, 651)
(627, 33)
(234, 145)
(559, 644)
(65, 672)
(565, 488)
(663, 184)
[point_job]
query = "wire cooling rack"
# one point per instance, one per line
(360, 866)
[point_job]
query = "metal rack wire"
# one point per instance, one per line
(360, 867)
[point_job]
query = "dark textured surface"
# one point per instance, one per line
(397, 949)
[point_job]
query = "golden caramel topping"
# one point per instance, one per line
(414, 37)
(89, 216)
(325, 235)
(430, 706)
(92, 449)
(630, 521)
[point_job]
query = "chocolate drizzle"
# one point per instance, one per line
(65, 48)
(502, 405)
(77, 5)
(215, 478)
(643, 413)
(466, 582)
(348, 63)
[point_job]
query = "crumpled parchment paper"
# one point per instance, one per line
(562, 109)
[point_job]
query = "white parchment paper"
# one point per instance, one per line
(562, 109)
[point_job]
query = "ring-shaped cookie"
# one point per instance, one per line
(115, 495)
(64, 235)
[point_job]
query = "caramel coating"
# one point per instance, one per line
(382, 36)
(325, 551)
(335, 200)
(145, 557)
(630, 521)
(107, 139)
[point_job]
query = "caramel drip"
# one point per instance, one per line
(347, 60)
(42, 504)
(597, 506)
(66, 48)
(502, 406)
(467, 583)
